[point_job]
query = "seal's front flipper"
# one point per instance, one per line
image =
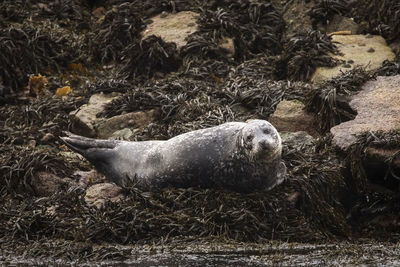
(282, 174)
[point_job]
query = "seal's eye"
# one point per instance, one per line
(249, 137)
(267, 131)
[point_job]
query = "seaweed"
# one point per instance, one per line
(389, 68)
(19, 165)
(149, 57)
(30, 50)
(109, 85)
(16, 11)
(120, 27)
(67, 11)
(324, 10)
(382, 17)
(303, 53)
(330, 101)
(377, 193)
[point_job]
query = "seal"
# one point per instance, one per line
(241, 156)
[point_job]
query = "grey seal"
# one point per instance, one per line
(241, 156)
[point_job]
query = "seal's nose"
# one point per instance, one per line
(266, 144)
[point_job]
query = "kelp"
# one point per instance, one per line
(120, 27)
(330, 101)
(376, 194)
(382, 17)
(303, 53)
(324, 10)
(148, 58)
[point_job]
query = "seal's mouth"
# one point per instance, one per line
(269, 154)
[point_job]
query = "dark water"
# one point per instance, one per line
(285, 254)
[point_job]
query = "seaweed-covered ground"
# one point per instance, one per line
(55, 55)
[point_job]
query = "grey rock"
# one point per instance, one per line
(84, 119)
(124, 134)
(378, 109)
(133, 120)
(297, 140)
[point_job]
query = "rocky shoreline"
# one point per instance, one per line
(325, 73)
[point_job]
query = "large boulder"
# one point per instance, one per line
(368, 51)
(378, 109)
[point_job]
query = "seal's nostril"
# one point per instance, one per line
(265, 144)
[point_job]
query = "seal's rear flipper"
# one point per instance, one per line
(92, 149)
(99, 152)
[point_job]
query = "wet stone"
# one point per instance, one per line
(290, 116)
(46, 184)
(84, 119)
(298, 139)
(131, 120)
(97, 195)
(340, 23)
(356, 48)
(173, 27)
(86, 178)
(378, 109)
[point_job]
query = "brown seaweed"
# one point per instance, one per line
(303, 53)
(330, 100)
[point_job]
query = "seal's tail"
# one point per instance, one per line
(92, 149)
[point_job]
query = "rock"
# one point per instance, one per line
(297, 139)
(294, 15)
(340, 23)
(47, 138)
(45, 183)
(290, 116)
(86, 178)
(173, 27)
(133, 120)
(395, 46)
(97, 195)
(84, 119)
(99, 12)
(124, 134)
(32, 143)
(375, 154)
(378, 109)
(228, 44)
(355, 49)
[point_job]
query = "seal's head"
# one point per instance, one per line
(261, 140)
